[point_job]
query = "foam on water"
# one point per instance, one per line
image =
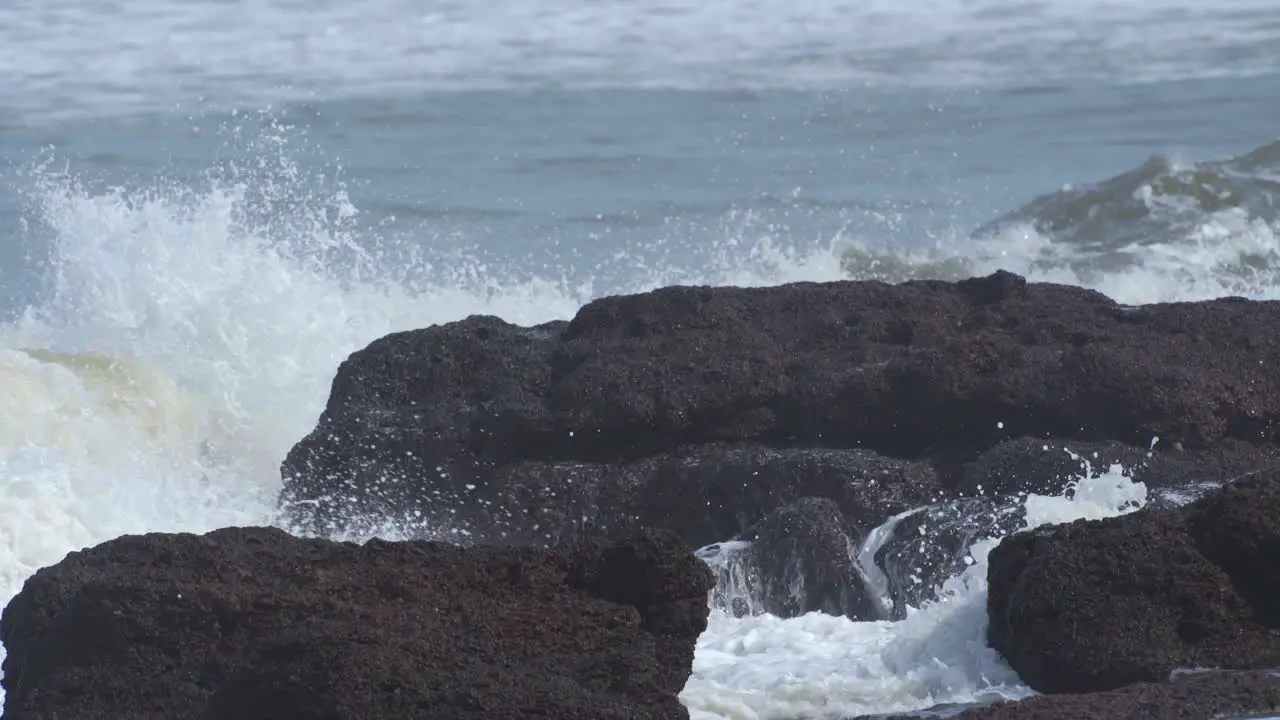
(1228, 253)
(75, 428)
(819, 666)
(1169, 230)
(187, 337)
(63, 57)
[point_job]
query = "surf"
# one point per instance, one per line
(185, 335)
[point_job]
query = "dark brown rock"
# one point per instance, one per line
(703, 410)
(705, 494)
(713, 493)
(1239, 529)
(423, 423)
(874, 365)
(1096, 605)
(252, 624)
(1040, 465)
(803, 557)
(932, 545)
(1196, 696)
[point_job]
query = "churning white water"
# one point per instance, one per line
(820, 666)
(185, 338)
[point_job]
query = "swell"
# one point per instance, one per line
(1167, 230)
(1162, 198)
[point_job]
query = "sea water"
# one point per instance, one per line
(204, 208)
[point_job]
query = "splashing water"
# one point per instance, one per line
(186, 336)
(185, 340)
(820, 666)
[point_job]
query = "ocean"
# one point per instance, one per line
(206, 205)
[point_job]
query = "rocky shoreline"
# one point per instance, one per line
(571, 470)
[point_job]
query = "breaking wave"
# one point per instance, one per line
(1166, 231)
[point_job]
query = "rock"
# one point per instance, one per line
(1238, 529)
(1194, 696)
(705, 494)
(1207, 467)
(932, 545)
(1097, 605)
(251, 624)
(703, 410)
(715, 492)
(446, 426)
(803, 558)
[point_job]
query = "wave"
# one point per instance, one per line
(92, 447)
(1161, 199)
(1167, 230)
(64, 388)
(330, 49)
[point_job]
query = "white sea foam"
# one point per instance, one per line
(103, 56)
(820, 666)
(1227, 253)
(186, 338)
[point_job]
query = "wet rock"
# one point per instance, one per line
(1238, 528)
(1194, 696)
(1224, 462)
(1097, 605)
(803, 558)
(931, 546)
(251, 624)
(448, 425)
(705, 494)
(1041, 466)
(713, 493)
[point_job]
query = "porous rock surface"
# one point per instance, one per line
(705, 409)
(802, 558)
(1097, 605)
(254, 624)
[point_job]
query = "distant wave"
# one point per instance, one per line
(76, 56)
(1166, 230)
(1162, 199)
